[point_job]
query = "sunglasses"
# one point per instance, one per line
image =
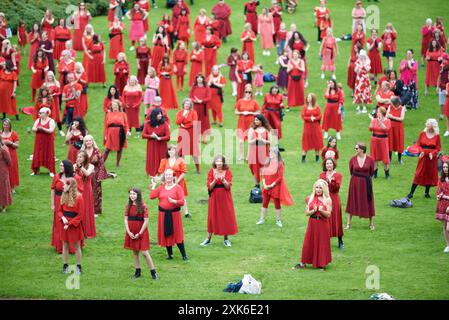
(248, 92)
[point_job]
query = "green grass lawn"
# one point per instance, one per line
(406, 246)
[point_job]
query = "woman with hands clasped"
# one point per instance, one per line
(380, 126)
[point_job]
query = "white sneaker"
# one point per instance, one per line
(234, 94)
(306, 84)
(32, 174)
(52, 174)
(446, 133)
(364, 110)
(338, 136)
(61, 133)
(446, 250)
(205, 243)
(261, 221)
(277, 62)
(227, 243)
(357, 109)
(279, 223)
(325, 135)
(131, 49)
(268, 53)
(333, 77)
(322, 76)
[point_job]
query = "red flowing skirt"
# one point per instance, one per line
(8, 105)
(210, 59)
(141, 244)
(13, 168)
(251, 17)
(59, 48)
(312, 139)
(37, 79)
(133, 117)
(113, 139)
(167, 93)
(55, 112)
(142, 71)
(203, 116)
(220, 214)
(316, 249)
(77, 39)
(33, 49)
(72, 235)
(376, 63)
(72, 154)
(120, 82)
(257, 156)
(195, 68)
(158, 54)
(44, 152)
(358, 203)
(116, 45)
(95, 69)
(396, 137)
(248, 46)
(156, 151)
(335, 220)
(83, 105)
(188, 140)
(351, 76)
(380, 149)
(178, 231)
(274, 119)
(295, 92)
(432, 73)
(57, 228)
(426, 173)
(331, 118)
(89, 215)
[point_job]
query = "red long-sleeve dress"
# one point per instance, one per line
(143, 55)
(44, 149)
(14, 167)
(62, 35)
(248, 44)
(312, 138)
(199, 28)
(95, 68)
(379, 147)
(179, 167)
(332, 117)
(245, 121)
(166, 89)
(188, 137)
(271, 109)
(220, 213)
(396, 134)
(8, 103)
(156, 149)
(433, 67)
(159, 50)
(121, 72)
(251, 14)
(244, 73)
(274, 173)
(88, 218)
(132, 101)
(258, 151)
(202, 109)
(211, 45)
(38, 78)
(167, 237)
(295, 88)
(74, 214)
(426, 173)
(360, 195)
(196, 65)
(116, 127)
(374, 56)
(34, 45)
(135, 223)
(335, 221)
(5, 188)
(116, 41)
(183, 28)
(180, 58)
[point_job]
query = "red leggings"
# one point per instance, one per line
(266, 200)
(218, 114)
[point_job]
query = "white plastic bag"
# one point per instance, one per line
(250, 285)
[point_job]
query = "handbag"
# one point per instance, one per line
(255, 195)
(268, 77)
(78, 144)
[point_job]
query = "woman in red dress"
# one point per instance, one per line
(188, 141)
(272, 110)
(216, 83)
(22, 36)
(47, 24)
(332, 111)
(274, 187)
(62, 35)
(248, 37)
(384, 95)
(39, 69)
(182, 29)
(166, 90)
(66, 65)
(389, 44)
(136, 28)
(311, 134)
(360, 195)
(178, 165)
(34, 37)
(328, 51)
(243, 73)
(157, 133)
(196, 62)
(201, 96)
(132, 99)
(114, 10)
(171, 198)
(82, 79)
(116, 38)
(5, 187)
(374, 44)
(351, 64)
(44, 99)
(11, 140)
(85, 171)
(429, 144)
(316, 248)
(168, 27)
(116, 130)
(70, 215)
(296, 72)
(137, 237)
(427, 35)
(87, 41)
(442, 210)
(250, 12)
(330, 150)
(333, 179)
(246, 108)
(160, 48)
(74, 138)
(220, 213)
(96, 64)
(145, 6)
(121, 72)
(259, 139)
(180, 58)
(396, 113)
(380, 151)
(8, 86)
(81, 19)
(44, 143)
(297, 42)
(434, 57)
(362, 88)
(143, 56)
(358, 37)
(210, 44)
(200, 25)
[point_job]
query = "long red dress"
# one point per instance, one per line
(374, 56)
(62, 35)
(360, 195)
(116, 127)
(244, 73)
(188, 137)
(216, 100)
(251, 14)
(8, 103)
(143, 55)
(156, 149)
(258, 151)
(433, 67)
(44, 149)
(74, 215)
(427, 35)
(88, 219)
(95, 67)
(135, 223)
(121, 72)
(271, 109)
(396, 134)
(210, 53)
(180, 58)
(81, 20)
(248, 44)
(166, 237)
(82, 79)
(274, 173)
(312, 138)
(116, 41)
(14, 167)
(332, 117)
(159, 50)
(222, 12)
(379, 147)
(426, 173)
(72, 154)
(316, 248)
(166, 89)
(442, 204)
(179, 167)
(5, 188)
(34, 44)
(335, 221)
(220, 212)
(295, 88)
(132, 101)
(199, 28)
(245, 121)
(351, 73)
(196, 65)
(202, 109)
(183, 29)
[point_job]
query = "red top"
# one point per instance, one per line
(187, 121)
(389, 41)
(78, 207)
(69, 92)
(307, 114)
(176, 193)
(384, 95)
(121, 68)
(427, 145)
(273, 101)
(377, 130)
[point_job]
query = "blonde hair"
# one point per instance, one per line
(151, 71)
(434, 124)
(122, 54)
(69, 197)
(79, 66)
(187, 100)
(324, 186)
(87, 27)
(163, 175)
(87, 137)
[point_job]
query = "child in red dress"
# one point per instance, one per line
(442, 211)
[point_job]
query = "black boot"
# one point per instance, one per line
(137, 274)
(154, 275)
(78, 269)
(412, 191)
(427, 195)
(183, 251)
(340, 243)
(317, 158)
(303, 158)
(387, 174)
(169, 253)
(65, 268)
(17, 117)
(375, 173)
(400, 158)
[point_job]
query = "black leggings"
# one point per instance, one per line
(180, 247)
(414, 186)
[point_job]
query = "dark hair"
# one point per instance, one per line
(199, 75)
(362, 146)
(165, 58)
(434, 48)
(411, 50)
(245, 53)
(153, 117)
(223, 159)
(395, 101)
(48, 96)
(116, 95)
(81, 125)
(68, 169)
(95, 39)
(9, 66)
(292, 40)
(183, 10)
(262, 119)
(139, 202)
(35, 57)
(326, 160)
(329, 141)
(234, 50)
(274, 87)
(443, 176)
(335, 85)
(395, 74)
(163, 30)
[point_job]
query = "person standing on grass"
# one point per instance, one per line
(5, 187)
(143, 59)
(222, 13)
(10, 139)
(373, 46)
(250, 12)
(216, 83)
(316, 249)
(180, 59)
(44, 143)
(332, 111)
(232, 60)
(248, 37)
(74, 138)
(296, 72)
(220, 215)
(121, 72)
(170, 229)
(39, 69)
(380, 126)
(427, 35)
(166, 90)
(442, 210)
(200, 94)
(396, 114)
(328, 52)
(330, 151)
(137, 238)
(116, 38)
(188, 140)
(360, 195)
(311, 134)
(434, 57)
(272, 111)
(362, 89)
(243, 72)
(71, 95)
(274, 187)
(266, 31)
(85, 172)
(442, 81)
(429, 144)
(389, 44)
(132, 99)
(136, 29)
(259, 139)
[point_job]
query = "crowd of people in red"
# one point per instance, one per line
(59, 92)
